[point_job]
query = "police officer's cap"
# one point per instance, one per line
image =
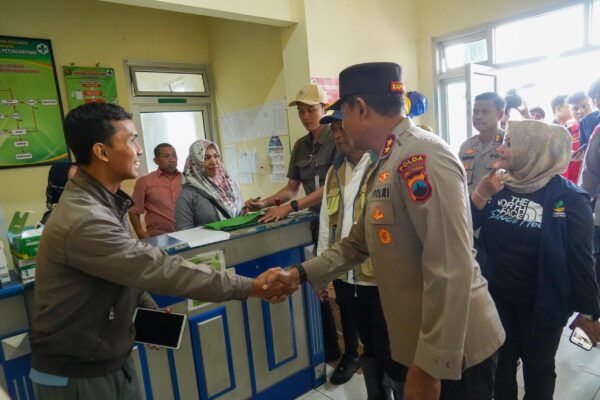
(331, 116)
(370, 78)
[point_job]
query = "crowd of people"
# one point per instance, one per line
(400, 216)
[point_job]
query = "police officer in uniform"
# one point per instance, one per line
(417, 230)
(479, 153)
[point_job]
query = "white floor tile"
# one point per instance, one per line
(307, 395)
(314, 395)
(354, 389)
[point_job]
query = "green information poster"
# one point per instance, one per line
(90, 84)
(31, 131)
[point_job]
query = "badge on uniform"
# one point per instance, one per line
(470, 150)
(388, 146)
(377, 214)
(413, 172)
(498, 138)
(385, 236)
(383, 176)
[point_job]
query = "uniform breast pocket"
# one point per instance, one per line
(333, 201)
(307, 171)
(382, 219)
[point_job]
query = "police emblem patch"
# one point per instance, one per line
(383, 176)
(470, 150)
(385, 236)
(377, 214)
(387, 149)
(413, 172)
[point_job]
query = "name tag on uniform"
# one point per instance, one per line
(381, 193)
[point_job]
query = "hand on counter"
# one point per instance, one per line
(254, 204)
(270, 287)
(276, 213)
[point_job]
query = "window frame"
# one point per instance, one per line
(487, 30)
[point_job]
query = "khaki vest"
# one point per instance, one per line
(336, 182)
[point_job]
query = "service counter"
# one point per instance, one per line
(231, 350)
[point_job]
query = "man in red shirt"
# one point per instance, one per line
(155, 195)
(580, 106)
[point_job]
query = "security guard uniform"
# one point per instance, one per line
(480, 159)
(417, 231)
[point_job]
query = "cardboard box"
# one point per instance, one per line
(24, 240)
(25, 268)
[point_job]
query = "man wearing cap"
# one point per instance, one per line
(311, 157)
(478, 153)
(417, 231)
(356, 291)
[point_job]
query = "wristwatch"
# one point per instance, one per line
(294, 205)
(301, 272)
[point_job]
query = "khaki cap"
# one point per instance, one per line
(310, 94)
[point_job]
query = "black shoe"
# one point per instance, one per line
(344, 371)
(332, 355)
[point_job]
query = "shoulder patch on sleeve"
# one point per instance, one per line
(413, 172)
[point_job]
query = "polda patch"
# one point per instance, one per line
(413, 172)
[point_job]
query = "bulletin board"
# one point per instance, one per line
(31, 129)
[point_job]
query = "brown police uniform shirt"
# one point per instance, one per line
(417, 230)
(479, 159)
(310, 161)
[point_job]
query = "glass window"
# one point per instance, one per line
(595, 23)
(456, 100)
(169, 83)
(178, 128)
(457, 55)
(543, 35)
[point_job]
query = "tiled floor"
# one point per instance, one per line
(578, 377)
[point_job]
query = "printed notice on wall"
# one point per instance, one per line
(253, 123)
(31, 131)
(89, 85)
(276, 156)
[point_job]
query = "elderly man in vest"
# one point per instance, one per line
(356, 291)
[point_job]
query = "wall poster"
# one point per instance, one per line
(31, 130)
(90, 84)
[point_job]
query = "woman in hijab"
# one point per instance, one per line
(535, 248)
(58, 175)
(208, 193)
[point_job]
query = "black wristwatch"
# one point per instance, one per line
(301, 272)
(294, 205)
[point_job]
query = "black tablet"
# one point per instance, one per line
(158, 327)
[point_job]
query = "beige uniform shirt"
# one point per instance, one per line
(417, 230)
(479, 159)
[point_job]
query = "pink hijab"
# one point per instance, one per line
(221, 188)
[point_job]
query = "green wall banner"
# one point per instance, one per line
(31, 130)
(89, 85)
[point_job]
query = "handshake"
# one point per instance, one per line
(275, 284)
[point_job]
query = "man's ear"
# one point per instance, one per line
(99, 151)
(363, 109)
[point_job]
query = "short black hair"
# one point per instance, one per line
(160, 146)
(577, 97)
(594, 91)
(499, 102)
(387, 104)
(89, 124)
(558, 101)
(539, 110)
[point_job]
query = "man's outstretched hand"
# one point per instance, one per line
(275, 284)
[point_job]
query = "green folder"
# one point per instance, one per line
(231, 224)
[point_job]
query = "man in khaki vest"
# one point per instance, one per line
(417, 230)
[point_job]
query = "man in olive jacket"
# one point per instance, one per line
(91, 274)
